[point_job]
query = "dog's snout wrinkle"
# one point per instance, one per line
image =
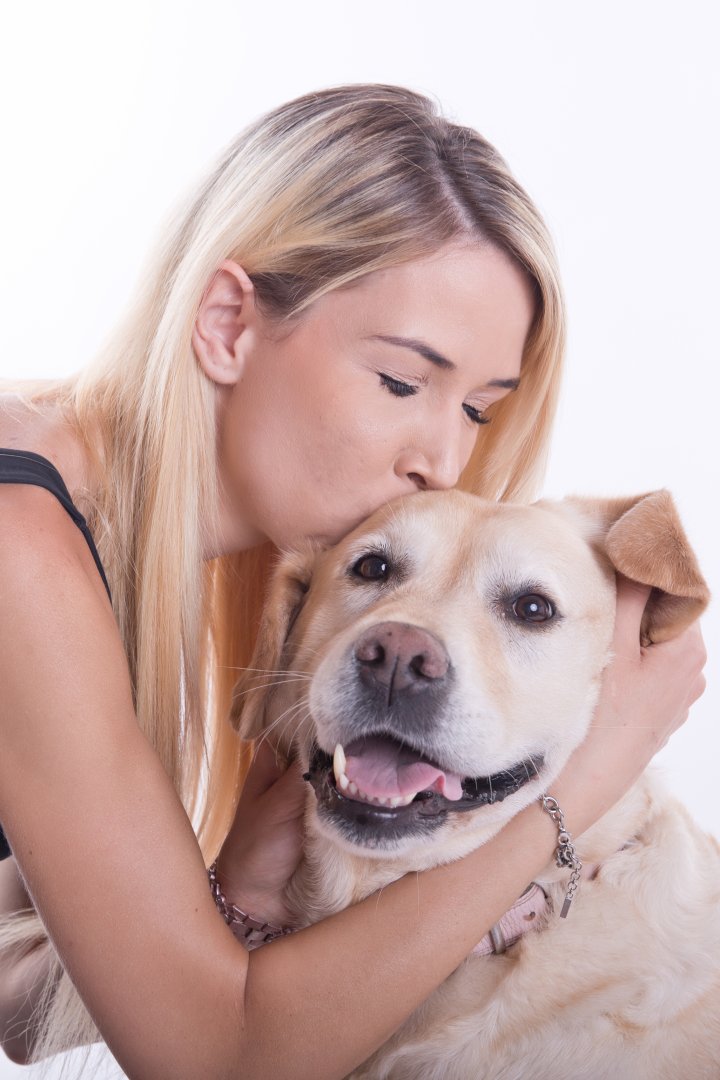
(400, 657)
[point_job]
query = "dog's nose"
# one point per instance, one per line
(400, 657)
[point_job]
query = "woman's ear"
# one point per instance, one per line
(226, 310)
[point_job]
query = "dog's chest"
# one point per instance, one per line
(526, 1015)
(627, 988)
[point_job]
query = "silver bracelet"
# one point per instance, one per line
(565, 854)
(251, 932)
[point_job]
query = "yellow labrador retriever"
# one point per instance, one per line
(448, 655)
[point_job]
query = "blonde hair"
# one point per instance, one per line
(310, 198)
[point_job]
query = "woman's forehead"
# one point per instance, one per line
(462, 304)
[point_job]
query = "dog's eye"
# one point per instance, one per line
(372, 568)
(533, 608)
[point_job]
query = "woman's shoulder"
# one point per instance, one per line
(36, 529)
(44, 430)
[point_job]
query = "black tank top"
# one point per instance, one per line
(25, 467)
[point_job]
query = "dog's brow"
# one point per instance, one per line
(437, 358)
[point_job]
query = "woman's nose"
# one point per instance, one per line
(432, 468)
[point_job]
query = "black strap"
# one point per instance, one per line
(25, 467)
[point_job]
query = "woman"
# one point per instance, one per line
(360, 302)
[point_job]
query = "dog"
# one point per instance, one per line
(438, 667)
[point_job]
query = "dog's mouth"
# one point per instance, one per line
(379, 789)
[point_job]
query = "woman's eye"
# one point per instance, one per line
(372, 568)
(475, 415)
(533, 608)
(399, 389)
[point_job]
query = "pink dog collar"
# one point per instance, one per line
(525, 914)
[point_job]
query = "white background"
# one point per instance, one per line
(606, 112)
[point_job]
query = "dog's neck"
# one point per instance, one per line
(330, 878)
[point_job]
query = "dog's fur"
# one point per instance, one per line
(628, 986)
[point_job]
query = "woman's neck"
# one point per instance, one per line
(231, 533)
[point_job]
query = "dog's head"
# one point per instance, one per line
(437, 667)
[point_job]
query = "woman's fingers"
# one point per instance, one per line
(685, 654)
(698, 688)
(272, 789)
(695, 644)
(266, 767)
(645, 697)
(264, 845)
(632, 599)
(285, 799)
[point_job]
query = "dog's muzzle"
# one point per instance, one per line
(379, 790)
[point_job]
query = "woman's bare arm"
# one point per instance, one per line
(115, 871)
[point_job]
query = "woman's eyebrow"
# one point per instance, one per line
(437, 358)
(419, 347)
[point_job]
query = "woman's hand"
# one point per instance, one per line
(264, 845)
(645, 696)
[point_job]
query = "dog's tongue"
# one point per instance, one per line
(383, 769)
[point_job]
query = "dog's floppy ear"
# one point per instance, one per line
(288, 587)
(645, 541)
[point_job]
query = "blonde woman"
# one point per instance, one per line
(360, 302)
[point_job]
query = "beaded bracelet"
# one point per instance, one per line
(252, 932)
(565, 855)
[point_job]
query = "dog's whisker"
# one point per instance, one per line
(312, 652)
(287, 717)
(298, 716)
(238, 694)
(258, 682)
(291, 710)
(256, 748)
(296, 730)
(267, 671)
(259, 676)
(270, 683)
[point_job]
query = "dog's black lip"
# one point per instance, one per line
(476, 792)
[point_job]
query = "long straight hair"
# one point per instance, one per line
(310, 198)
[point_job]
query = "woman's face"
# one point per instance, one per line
(377, 391)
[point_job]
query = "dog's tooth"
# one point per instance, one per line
(400, 800)
(339, 761)
(363, 796)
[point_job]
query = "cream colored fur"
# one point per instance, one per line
(628, 986)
